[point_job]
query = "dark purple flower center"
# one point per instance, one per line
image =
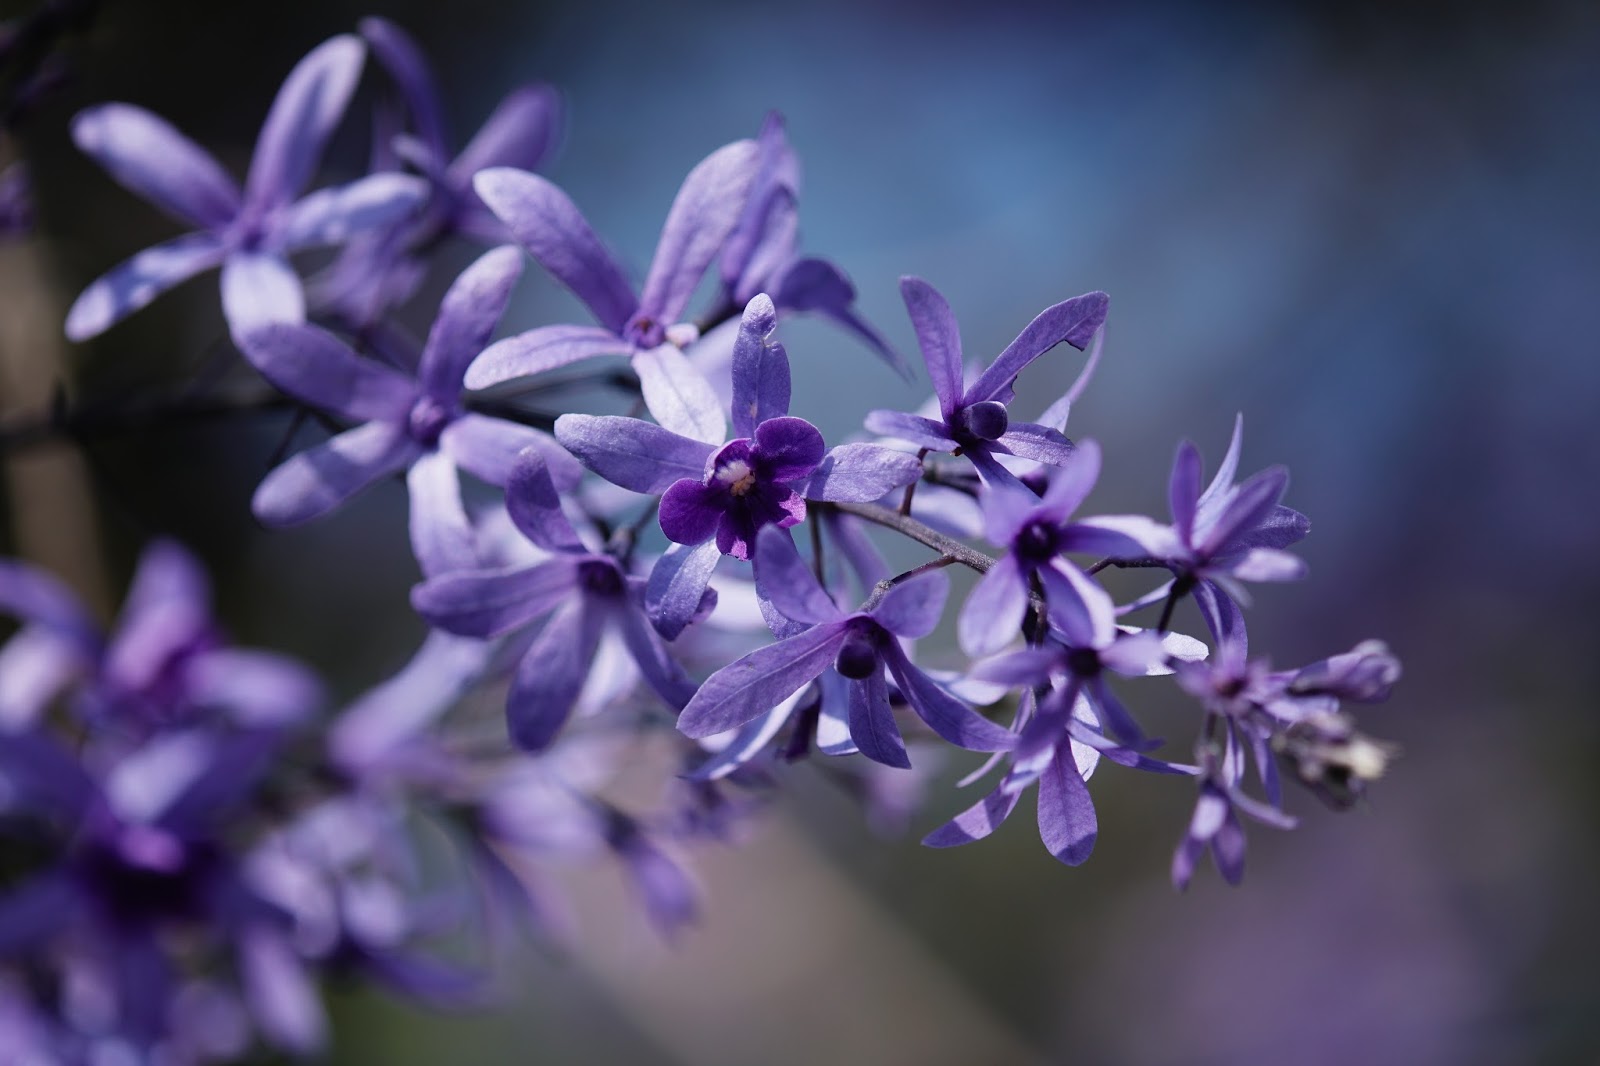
(600, 577)
(428, 419)
(1036, 541)
(642, 331)
(138, 889)
(1083, 662)
(858, 659)
(985, 420)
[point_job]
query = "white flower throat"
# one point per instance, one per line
(738, 476)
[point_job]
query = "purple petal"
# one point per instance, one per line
(1222, 615)
(1072, 483)
(760, 369)
(334, 215)
(467, 319)
(33, 595)
(945, 715)
(790, 448)
(923, 432)
(133, 284)
(386, 716)
(1265, 564)
(678, 395)
(146, 154)
(939, 337)
(538, 350)
(764, 238)
(400, 55)
(1006, 509)
(551, 675)
(490, 448)
(1114, 716)
(976, 822)
(441, 533)
(1039, 443)
(746, 744)
(690, 511)
(1222, 480)
(912, 608)
(702, 216)
(1253, 502)
(872, 724)
(1079, 607)
(316, 481)
(632, 453)
(313, 365)
(260, 289)
(303, 115)
(257, 688)
(1281, 527)
(1183, 490)
(677, 583)
(36, 665)
(520, 133)
(1067, 822)
(535, 505)
(660, 670)
(760, 681)
(820, 286)
(1123, 537)
(670, 898)
(280, 993)
(44, 778)
(33, 913)
(487, 603)
(993, 614)
(554, 231)
(1074, 321)
(784, 580)
(167, 612)
(861, 473)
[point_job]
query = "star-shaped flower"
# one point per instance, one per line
(249, 233)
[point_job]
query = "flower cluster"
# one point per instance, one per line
(197, 840)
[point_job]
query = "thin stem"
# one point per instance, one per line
(881, 589)
(917, 531)
(1167, 608)
(905, 502)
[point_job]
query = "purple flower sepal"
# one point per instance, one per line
(414, 423)
(860, 646)
(1219, 537)
(166, 663)
(249, 233)
(716, 499)
(643, 325)
(582, 593)
(975, 421)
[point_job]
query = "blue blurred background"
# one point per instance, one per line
(1370, 226)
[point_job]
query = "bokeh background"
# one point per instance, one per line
(1371, 226)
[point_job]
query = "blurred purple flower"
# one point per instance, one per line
(16, 202)
(975, 421)
(163, 664)
(582, 591)
(413, 423)
(250, 233)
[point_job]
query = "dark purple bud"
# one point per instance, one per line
(985, 420)
(645, 332)
(858, 660)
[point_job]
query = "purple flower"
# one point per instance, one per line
(859, 645)
(384, 267)
(1215, 827)
(716, 499)
(975, 421)
(144, 863)
(413, 423)
(583, 593)
(1221, 536)
(1036, 534)
(165, 663)
(248, 233)
(642, 325)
